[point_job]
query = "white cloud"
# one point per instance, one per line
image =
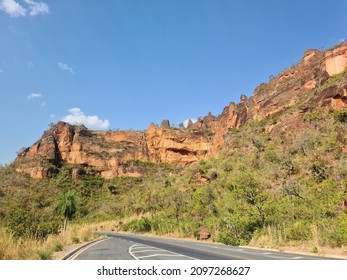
(77, 117)
(185, 123)
(37, 8)
(66, 67)
(12, 8)
(34, 95)
(37, 96)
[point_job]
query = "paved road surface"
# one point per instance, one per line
(129, 246)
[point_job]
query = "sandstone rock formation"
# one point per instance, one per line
(110, 152)
(336, 60)
(176, 146)
(165, 124)
(312, 83)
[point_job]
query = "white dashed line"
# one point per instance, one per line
(160, 255)
(139, 251)
(148, 250)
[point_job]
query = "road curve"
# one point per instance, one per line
(121, 246)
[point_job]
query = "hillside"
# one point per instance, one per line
(269, 171)
(316, 81)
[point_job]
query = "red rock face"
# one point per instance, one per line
(336, 60)
(176, 146)
(108, 151)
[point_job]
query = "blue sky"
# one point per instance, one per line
(122, 64)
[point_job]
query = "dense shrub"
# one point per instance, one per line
(142, 225)
(340, 116)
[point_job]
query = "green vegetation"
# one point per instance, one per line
(57, 247)
(45, 255)
(337, 78)
(341, 116)
(265, 188)
(66, 206)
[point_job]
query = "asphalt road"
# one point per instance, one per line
(129, 246)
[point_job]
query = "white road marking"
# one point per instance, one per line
(208, 246)
(130, 252)
(148, 250)
(160, 255)
(138, 246)
(155, 252)
(74, 256)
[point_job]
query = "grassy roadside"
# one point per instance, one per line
(273, 238)
(269, 242)
(31, 249)
(57, 246)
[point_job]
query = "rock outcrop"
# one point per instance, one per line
(336, 60)
(318, 80)
(109, 152)
(176, 146)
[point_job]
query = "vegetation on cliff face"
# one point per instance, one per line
(279, 179)
(264, 188)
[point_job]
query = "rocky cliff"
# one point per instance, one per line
(318, 80)
(111, 153)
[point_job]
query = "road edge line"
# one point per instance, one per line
(70, 254)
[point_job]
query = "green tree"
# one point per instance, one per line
(66, 206)
(252, 193)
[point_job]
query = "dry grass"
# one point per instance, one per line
(30, 249)
(22, 249)
(274, 238)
